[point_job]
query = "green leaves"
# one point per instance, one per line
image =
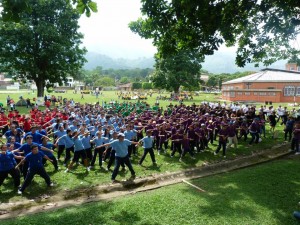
(202, 26)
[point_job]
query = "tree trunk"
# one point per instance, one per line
(40, 84)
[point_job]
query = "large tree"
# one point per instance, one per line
(262, 30)
(44, 46)
(12, 9)
(181, 69)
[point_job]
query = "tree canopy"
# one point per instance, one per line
(44, 46)
(262, 30)
(182, 69)
(13, 9)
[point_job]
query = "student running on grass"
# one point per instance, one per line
(121, 152)
(148, 147)
(35, 166)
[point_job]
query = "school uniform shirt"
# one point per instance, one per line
(49, 146)
(129, 134)
(9, 133)
(68, 141)
(185, 144)
(100, 141)
(148, 141)
(36, 137)
(59, 134)
(231, 131)
(120, 147)
(86, 142)
(26, 148)
(78, 146)
(223, 132)
(16, 145)
(35, 160)
(7, 161)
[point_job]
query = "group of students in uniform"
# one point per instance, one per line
(88, 132)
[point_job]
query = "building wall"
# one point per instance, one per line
(234, 92)
(292, 67)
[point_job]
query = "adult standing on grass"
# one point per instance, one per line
(35, 162)
(121, 152)
(7, 166)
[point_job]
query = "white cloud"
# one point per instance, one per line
(107, 31)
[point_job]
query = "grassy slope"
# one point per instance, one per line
(262, 195)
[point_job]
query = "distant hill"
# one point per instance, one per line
(96, 59)
(224, 62)
(220, 62)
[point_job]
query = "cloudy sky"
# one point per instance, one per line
(107, 31)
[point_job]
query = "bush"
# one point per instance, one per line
(50, 89)
(136, 85)
(147, 86)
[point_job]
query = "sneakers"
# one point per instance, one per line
(215, 153)
(88, 169)
(132, 177)
(67, 170)
(297, 153)
(193, 157)
(180, 160)
(51, 184)
(158, 153)
(224, 156)
(20, 192)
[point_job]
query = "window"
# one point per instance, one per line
(272, 93)
(240, 93)
(289, 91)
(292, 68)
(262, 93)
(247, 93)
(232, 94)
(255, 93)
(298, 91)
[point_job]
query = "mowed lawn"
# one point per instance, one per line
(264, 195)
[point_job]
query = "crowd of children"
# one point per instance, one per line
(81, 133)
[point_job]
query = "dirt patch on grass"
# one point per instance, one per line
(109, 191)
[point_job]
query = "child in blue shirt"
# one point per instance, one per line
(148, 147)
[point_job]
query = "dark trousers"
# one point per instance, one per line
(211, 137)
(295, 144)
(89, 153)
(118, 161)
(68, 154)
(112, 158)
(190, 151)
(54, 161)
(131, 150)
(31, 172)
(98, 151)
(288, 132)
(60, 150)
(254, 137)
(176, 147)
(14, 173)
(243, 133)
(146, 151)
(25, 169)
(222, 144)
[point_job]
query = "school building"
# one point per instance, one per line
(268, 85)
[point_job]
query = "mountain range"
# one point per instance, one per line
(220, 62)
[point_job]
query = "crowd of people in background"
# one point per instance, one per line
(112, 133)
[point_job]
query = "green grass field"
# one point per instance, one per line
(263, 195)
(79, 178)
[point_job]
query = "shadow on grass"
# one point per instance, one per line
(265, 194)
